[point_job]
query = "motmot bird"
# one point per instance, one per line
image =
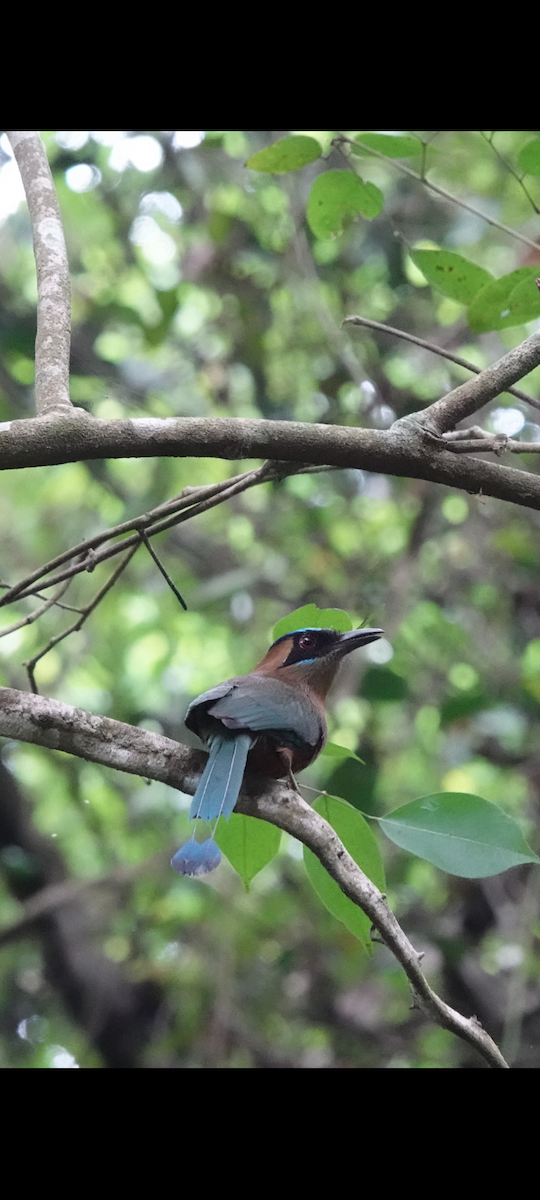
(273, 720)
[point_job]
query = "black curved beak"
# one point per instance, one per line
(355, 638)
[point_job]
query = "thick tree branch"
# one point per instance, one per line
(54, 287)
(45, 722)
(411, 448)
(465, 400)
(408, 449)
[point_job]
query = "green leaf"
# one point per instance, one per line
(311, 617)
(525, 297)
(336, 198)
(451, 274)
(529, 158)
(389, 144)
(354, 782)
(359, 840)
(289, 154)
(332, 750)
(512, 300)
(248, 843)
(463, 835)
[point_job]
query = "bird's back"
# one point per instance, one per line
(280, 713)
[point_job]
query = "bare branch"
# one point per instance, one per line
(409, 450)
(417, 341)
(85, 613)
(439, 191)
(99, 739)
(37, 613)
(88, 560)
(508, 167)
(54, 288)
(477, 440)
(186, 499)
(58, 603)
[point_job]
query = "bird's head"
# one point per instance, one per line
(312, 656)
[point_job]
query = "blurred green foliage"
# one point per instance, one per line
(200, 289)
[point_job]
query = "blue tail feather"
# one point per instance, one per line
(221, 780)
(196, 858)
(215, 797)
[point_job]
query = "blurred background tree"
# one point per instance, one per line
(199, 289)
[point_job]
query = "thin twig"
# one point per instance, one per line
(85, 613)
(417, 341)
(495, 443)
(161, 568)
(392, 162)
(53, 283)
(508, 167)
(186, 499)
(38, 612)
(241, 483)
(68, 607)
(474, 438)
(314, 470)
(132, 543)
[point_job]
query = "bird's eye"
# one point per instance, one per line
(307, 641)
